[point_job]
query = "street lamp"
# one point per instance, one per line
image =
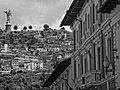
(106, 64)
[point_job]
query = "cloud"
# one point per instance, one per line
(35, 12)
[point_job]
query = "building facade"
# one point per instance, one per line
(95, 25)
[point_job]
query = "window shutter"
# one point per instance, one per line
(84, 29)
(93, 11)
(81, 59)
(86, 65)
(74, 35)
(110, 54)
(93, 60)
(75, 70)
(79, 69)
(98, 56)
(91, 19)
(88, 21)
(81, 29)
(96, 12)
(80, 34)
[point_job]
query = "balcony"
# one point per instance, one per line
(93, 78)
(90, 79)
(108, 5)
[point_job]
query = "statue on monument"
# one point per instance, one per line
(8, 13)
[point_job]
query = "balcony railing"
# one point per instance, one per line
(108, 5)
(91, 78)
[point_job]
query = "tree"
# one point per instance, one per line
(24, 28)
(46, 27)
(15, 27)
(30, 27)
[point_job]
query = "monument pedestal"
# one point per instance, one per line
(8, 26)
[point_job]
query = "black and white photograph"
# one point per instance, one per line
(59, 44)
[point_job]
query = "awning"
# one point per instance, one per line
(74, 9)
(57, 72)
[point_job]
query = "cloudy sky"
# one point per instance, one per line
(34, 12)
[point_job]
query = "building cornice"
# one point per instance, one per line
(71, 14)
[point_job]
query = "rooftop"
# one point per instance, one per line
(74, 9)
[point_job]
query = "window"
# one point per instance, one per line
(91, 23)
(88, 21)
(81, 29)
(75, 70)
(92, 59)
(98, 57)
(96, 12)
(74, 34)
(79, 69)
(77, 36)
(109, 44)
(62, 86)
(84, 29)
(103, 17)
(93, 11)
(94, 56)
(81, 59)
(80, 34)
(67, 73)
(86, 65)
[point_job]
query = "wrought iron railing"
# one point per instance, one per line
(93, 77)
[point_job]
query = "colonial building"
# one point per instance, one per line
(95, 25)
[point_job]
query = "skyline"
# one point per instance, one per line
(34, 12)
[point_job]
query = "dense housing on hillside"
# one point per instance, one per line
(35, 50)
